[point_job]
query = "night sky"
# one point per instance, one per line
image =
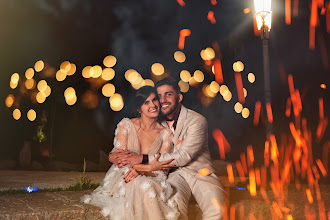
(138, 34)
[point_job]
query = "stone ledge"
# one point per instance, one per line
(56, 205)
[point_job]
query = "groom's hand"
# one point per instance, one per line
(132, 159)
(164, 165)
(118, 155)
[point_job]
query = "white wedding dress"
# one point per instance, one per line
(144, 197)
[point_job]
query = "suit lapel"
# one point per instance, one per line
(180, 123)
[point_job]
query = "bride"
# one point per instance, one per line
(138, 192)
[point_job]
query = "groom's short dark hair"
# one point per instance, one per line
(169, 81)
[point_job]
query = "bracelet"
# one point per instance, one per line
(145, 159)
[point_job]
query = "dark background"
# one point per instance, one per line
(138, 34)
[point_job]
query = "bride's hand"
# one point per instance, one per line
(130, 159)
(118, 155)
(130, 175)
(156, 165)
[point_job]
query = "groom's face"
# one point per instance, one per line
(169, 100)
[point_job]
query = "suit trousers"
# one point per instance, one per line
(207, 190)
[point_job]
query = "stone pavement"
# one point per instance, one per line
(66, 204)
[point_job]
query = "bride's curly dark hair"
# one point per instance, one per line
(140, 97)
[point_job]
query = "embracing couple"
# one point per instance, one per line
(156, 162)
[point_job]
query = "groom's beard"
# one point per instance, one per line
(172, 109)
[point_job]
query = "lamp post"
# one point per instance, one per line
(264, 20)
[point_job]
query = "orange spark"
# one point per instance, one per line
(224, 146)
(299, 105)
(288, 107)
(297, 183)
(288, 12)
(239, 87)
(273, 150)
(274, 174)
(323, 10)
(183, 34)
(266, 154)
(253, 191)
(224, 212)
(295, 8)
(295, 134)
(210, 17)
(285, 210)
(325, 154)
(321, 167)
(218, 71)
(323, 125)
(321, 109)
(316, 173)
(291, 85)
(274, 189)
(257, 172)
(255, 26)
(327, 17)
(277, 210)
(181, 2)
(289, 217)
(230, 173)
(203, 172)
(250, 156)
(269, 112)
(208, 62)
(213, 2)
(256, 113)
(313, 23)
(263, 177)
(240, 171)
(264, 195)
(322, 211)
(243, 160)
(320, 3)
(323, 86)
(286, 170)
(232, 212)
(241, 211)
(317, 191)
(246, 10)
(309, 196)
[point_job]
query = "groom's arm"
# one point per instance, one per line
(192, 144)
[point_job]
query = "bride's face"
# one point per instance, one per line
(150, 107)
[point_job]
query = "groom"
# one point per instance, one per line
(190, 154)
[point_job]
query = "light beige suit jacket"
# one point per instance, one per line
(190, 150)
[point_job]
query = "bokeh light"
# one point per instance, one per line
(227, 95)
(116, 102)
(47, 91)
(29, 73)
(109, 61)
(179, 56)
(251, 77)
(131, 75)
(86, 72)
(208, 92)
(222, 89)
(60, 75)
(207, 54)
(65, 66)
(69, 93)
(31, 115)
(238, 66)
(199, 76)
(245, 113)
(108, 90)
(184, 86)
(72, 69)
(38, 66)
(71, 101)
(246, 10)
(10, 100)
(40, 97)
(193, 82)
(30, 83)
(14, 78)
(17, 114)
(108, 74)
(185, 75)
(157, 69)
(214, 86)
(96, 71)
(245, 92)
(13, 85)
(42, 85)
(148, 82)
(323, 86)
(238, 107)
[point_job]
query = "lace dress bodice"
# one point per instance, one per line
(143, 198)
